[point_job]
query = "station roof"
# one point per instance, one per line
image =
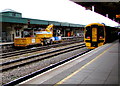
(14, 19)
(103, 7)
(9, 10)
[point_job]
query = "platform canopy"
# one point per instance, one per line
(56, 10)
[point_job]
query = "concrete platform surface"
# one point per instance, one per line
(99, 66)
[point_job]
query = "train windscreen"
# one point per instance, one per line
(88, 32)
(101, 31)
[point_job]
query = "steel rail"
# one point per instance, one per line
(36, 55)
(21, 79)
(34, 50)
(39, 59)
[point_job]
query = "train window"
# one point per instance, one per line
(101, 31)
(93, 26)
(88, 32)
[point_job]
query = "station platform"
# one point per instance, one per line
(97, 67)
(6, 43)
(6, 46)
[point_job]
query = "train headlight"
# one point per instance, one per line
(101, 37)
(88, 37)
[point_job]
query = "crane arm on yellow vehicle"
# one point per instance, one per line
(49, 28)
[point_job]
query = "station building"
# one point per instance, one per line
(13, 25)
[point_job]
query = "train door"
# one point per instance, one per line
(94, 34)
(97, 35)
(94, 42)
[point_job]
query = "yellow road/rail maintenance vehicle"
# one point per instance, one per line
(38, 36)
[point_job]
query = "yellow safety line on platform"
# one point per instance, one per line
(62, 81)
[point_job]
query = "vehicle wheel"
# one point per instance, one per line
(51, 42)
(45, 42)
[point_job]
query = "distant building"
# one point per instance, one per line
(13, 25)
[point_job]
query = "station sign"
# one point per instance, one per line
(118, 16)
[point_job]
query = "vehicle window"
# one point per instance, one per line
(101, 31)
(88, 31)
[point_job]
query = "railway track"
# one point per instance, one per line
(20, 52)
(49, 67)
(10, 48)
(37, 57)
(15, 64)
(16, 81)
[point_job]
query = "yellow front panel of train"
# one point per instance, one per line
(94, 34)
(88, 44)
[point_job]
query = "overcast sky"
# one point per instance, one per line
(56, 10)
